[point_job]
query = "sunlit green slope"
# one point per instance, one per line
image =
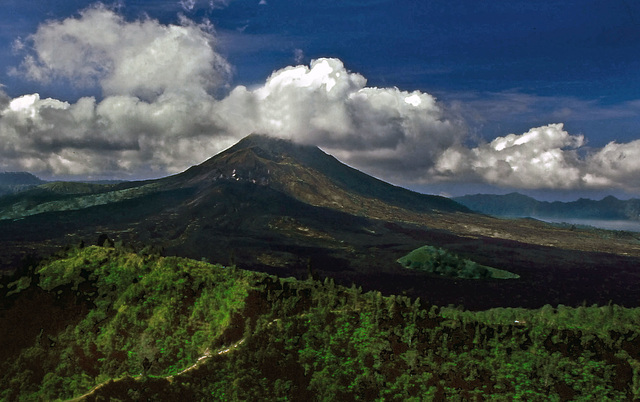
(105, 323)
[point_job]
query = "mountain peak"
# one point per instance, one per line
(267, 142)
(310, 175)
(275, 148)
(610, 198)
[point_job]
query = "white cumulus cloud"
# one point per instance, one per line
(615, 165)
(158, 115)
(119, 136)
(142, 58)
(155, 117)
(543, 157)
(385, 130)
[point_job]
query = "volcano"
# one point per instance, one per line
(307, 174)
(276, 206)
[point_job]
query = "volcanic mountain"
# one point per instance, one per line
(276, 206)
(309, 175)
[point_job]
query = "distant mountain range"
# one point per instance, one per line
(15, 182)
(518, 205)
(12, 182)
(275, 206)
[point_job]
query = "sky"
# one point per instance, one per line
(447, 97)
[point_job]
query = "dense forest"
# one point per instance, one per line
(108, 323)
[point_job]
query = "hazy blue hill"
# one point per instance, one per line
(12, 182)
(18, 178)
(18, 182)
(512, 204)
(518, 205)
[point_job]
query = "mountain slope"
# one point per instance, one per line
(518, 205)
(18, 178)
(274, 206)
(310, 175)
(300, 171)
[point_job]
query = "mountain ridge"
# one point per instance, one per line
(257, 157)
(519, 205)
(13, 182)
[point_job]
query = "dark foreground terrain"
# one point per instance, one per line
(105, 323)
(312, 304)
(273, 206)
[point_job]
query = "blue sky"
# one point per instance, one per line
(542, 98)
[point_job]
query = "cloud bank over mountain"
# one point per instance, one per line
(155, 115)
(166, 104)
(387, 129)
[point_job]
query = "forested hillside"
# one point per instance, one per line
(105, 322)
